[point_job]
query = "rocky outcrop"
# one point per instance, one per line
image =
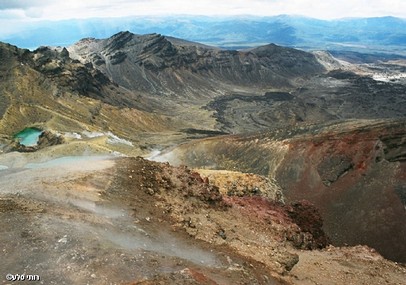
(308, 218)
(21, 148)
(48, 138)
(70, 74)
(394, 147)
(254, 226)
(332, 168)
(233, 183)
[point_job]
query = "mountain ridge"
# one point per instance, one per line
(147, 55)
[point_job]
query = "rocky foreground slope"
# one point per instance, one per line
(97, 220)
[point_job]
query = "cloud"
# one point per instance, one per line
(326, 9)
(24, 8)
(22, 4)
(34, 12)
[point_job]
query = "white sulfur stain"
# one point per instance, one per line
(153, 154)
(388, 77)
(113, 139)
(73, 135)
(3, 167)
(93, 134)
(160, 156)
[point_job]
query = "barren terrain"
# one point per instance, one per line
(99, 220)
(285, 167)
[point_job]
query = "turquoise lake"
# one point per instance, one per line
(28, 136)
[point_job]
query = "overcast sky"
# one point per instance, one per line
(23, 10)
(17, 16)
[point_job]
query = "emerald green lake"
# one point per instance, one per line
(28, 136)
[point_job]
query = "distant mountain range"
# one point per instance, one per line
(368, 35)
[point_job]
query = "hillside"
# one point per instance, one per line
(49, 90)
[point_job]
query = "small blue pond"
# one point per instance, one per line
(28, 136)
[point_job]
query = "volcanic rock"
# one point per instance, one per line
(353, 172)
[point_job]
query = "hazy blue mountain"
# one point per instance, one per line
(384, 34)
